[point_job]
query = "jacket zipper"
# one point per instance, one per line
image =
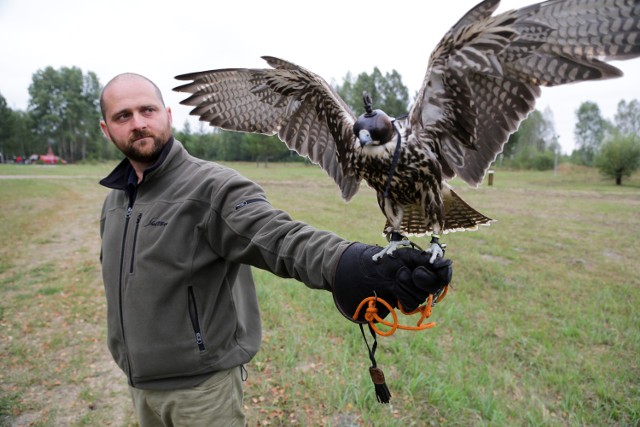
(246, 202)
(195, 322)
(135, 240)
(121, 290)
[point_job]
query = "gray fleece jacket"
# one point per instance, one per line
(181, 302)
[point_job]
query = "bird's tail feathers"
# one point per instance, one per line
(459, 215)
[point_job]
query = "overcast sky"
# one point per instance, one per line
(161, 39)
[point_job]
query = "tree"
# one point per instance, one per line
(22, 135)
(388, 92)
(186, 136)
(6, 128)
(15, 132)
(589, 132)
(619, 157)
(232, 146)
(65, 111)
(532, 145)
(265, 148)
(627, 118)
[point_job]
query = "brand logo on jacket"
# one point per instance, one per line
(156, 222)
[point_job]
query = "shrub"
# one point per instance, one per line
(619, 157)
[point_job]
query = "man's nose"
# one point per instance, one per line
(139, 121)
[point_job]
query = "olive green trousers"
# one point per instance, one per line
(215, 402)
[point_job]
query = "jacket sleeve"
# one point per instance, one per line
(245, 228)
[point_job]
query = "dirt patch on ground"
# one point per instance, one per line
(57, 369)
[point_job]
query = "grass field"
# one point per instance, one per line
(542, 326)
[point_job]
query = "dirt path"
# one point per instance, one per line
(70, 378)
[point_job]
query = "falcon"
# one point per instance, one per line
(482, 80)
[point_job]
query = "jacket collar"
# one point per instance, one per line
(119, 178)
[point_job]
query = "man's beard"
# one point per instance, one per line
(133, 152)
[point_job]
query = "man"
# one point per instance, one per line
(178, 237)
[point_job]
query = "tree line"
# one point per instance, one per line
(63, 112)
(611, 146)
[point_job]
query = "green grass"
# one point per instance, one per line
(541, 327)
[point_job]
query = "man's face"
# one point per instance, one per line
(135, 119)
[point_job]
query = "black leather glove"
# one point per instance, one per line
(406, 276)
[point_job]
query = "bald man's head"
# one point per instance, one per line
(127, 76)
(135, 118)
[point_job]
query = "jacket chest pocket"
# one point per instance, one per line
(134, 242)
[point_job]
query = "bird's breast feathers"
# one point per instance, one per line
(416, 165)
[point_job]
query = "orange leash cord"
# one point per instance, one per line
(371, 314)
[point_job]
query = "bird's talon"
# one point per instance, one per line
(436, 251)
(390, 249)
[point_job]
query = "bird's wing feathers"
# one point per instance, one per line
(485, 74)
(231, 99)
(287, 100)
(479, 12)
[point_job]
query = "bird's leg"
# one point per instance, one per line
(395, 240)
(436, 249)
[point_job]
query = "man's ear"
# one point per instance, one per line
(105, 130)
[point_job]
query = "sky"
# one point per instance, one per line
(161, 39)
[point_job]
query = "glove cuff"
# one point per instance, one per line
(349, 288)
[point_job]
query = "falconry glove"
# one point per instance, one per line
(407, 277)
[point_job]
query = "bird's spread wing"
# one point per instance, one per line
(485, 74)
(287, 100)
